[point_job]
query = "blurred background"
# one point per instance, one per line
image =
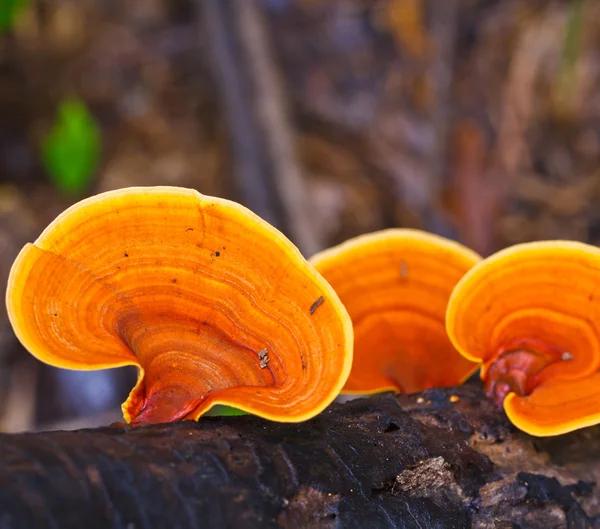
(475, 119)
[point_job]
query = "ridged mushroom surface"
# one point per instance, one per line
(211, 303)
(530, 315)
(396, 284)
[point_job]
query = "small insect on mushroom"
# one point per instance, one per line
(106, 269)
(528, 315)
(264, 358)
(320, 300)
(395, 285)
(263, 363)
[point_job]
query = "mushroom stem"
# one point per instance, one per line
(167, 406)
(166, 402)
(518, 368)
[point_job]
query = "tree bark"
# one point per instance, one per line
(444, 458)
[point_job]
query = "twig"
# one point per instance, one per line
(267, 169)
(444, 23)
(250, 172)
(273, 117)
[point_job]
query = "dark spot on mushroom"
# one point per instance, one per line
(218, 254)
(118, 267)
(126, 254)
(189, 229)
(55, 314)
(173, 280)
(316, 305)
(403, 270)
(263, 355)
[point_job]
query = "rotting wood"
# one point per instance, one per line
(424, 460)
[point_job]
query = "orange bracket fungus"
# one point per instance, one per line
(211, 303)
(530, 315)
(396, 284)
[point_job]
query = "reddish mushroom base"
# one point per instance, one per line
(518, 368)
(167, 405)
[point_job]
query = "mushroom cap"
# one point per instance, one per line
(546, 292)
(395, 284)
(211, 303)
(556, 407)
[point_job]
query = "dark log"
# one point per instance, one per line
(427, 460)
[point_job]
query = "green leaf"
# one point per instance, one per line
(9, 10)
(223, 411)
(71, 149)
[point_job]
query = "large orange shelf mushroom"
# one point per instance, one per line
(530, 315)
(396, 284)
(211, 303)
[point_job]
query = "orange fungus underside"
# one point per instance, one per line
(530, 315)
(395, 285)
(210, 302)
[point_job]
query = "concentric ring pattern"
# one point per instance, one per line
(546, 292)
(209, 301)
(396, 284)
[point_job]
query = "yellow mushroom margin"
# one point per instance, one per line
(190, 289)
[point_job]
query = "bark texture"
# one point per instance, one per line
(441, 459)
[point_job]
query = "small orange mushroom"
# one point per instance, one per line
(530, 314)
(211, 303)
(396, 284)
